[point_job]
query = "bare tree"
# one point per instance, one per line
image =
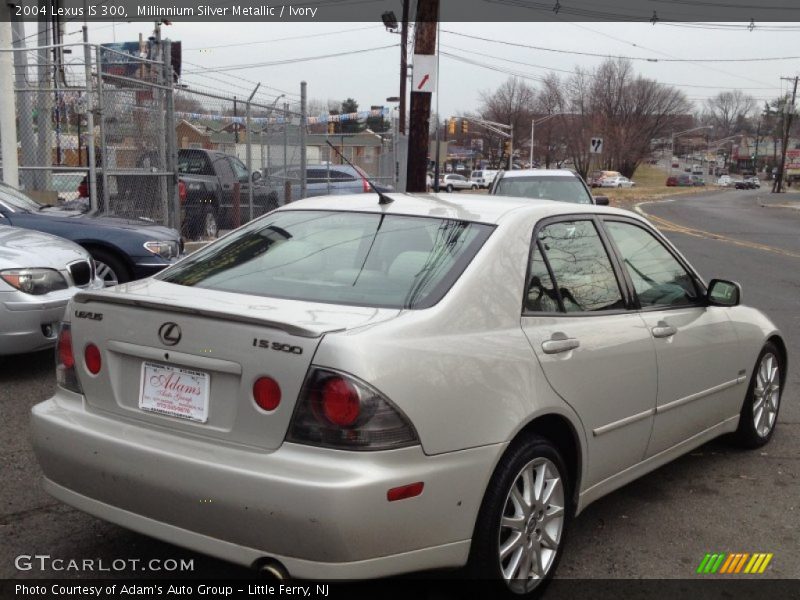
(729, 112)
(512, 103)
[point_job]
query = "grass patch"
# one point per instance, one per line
(650, 185)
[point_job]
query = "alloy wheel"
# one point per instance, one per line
(106, 273)
(766, 394)
(531, 525)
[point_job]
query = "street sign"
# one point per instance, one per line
(424, 73)
(596, 145)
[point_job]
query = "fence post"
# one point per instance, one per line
(24, 105)
(303, 122)
(90, 106)
(8, 120)
(103, 147)
(287, 197)
(171, 163)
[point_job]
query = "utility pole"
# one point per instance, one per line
(419, 126)
(24, 101)
(403, 67)
(777, 185)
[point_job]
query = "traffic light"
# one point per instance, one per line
(451, 126)
(331, 128)
(508, 147)
(464, 126)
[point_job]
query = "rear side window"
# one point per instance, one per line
(584, 278)
(562, 189)
(361, 259)
(194, 163)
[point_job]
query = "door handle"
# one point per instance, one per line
(558, 343)
(662, 330)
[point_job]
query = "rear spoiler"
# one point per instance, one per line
(141, 302)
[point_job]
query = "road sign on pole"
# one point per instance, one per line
(424, 74)
(596, 145)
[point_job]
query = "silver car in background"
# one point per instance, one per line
(39, 273)
(347, 389)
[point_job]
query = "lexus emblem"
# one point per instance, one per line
(169, 333)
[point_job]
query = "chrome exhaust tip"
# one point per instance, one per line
(269, 568)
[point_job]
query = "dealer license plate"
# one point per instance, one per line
(175, 392)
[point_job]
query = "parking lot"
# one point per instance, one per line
(715, 499)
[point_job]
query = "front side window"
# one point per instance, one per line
(239, 170)
(562, 189)
(362, 259)
(659, 279)
(583, 274)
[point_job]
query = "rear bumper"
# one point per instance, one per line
(322, 513)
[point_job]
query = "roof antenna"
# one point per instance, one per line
(382, 198)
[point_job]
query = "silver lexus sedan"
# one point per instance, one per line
(39, 273)
(351, 389)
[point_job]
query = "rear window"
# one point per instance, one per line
(362, 259)
(563, 189)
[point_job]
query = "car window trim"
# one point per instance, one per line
(699, 284)
(622, 284)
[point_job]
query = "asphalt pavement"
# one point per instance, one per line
(717, 498)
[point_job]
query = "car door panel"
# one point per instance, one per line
(597, 356)
(695, 344)
(698, 373)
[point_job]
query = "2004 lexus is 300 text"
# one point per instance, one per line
(367, 388)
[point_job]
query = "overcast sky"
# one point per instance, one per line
(373, 76)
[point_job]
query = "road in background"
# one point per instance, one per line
(716, 499)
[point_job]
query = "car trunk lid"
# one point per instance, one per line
(171, 360)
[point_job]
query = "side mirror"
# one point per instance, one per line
(723, 293)
(601, 200)
(255, 176)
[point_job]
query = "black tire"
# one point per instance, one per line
(485, 562)
(110, 267)
(748, 435)
(449, 188)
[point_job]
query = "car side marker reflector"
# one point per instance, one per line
(405, 491)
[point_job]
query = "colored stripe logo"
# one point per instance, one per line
(734, 563)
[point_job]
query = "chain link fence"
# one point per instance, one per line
(113, 130)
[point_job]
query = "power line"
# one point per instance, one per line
(640, 58)
(284, 39)
(571, 72)
(290, 61)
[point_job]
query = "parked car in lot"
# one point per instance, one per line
(323, 180)
(454, 182)
(39, 273)
(616, 182)
(748, 183)
(725, 181)
(123, 249)
(562, 185)
(681, 180)
(483, 178)
(305, 373)
(216, 188)
(697, 169)
(698, 181)
(596, 177)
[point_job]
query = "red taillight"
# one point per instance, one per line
(65, 356)
(341, 404)
(365, 187)
(91, 355)
(405, 491)
(267, 393)
(182, 191)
